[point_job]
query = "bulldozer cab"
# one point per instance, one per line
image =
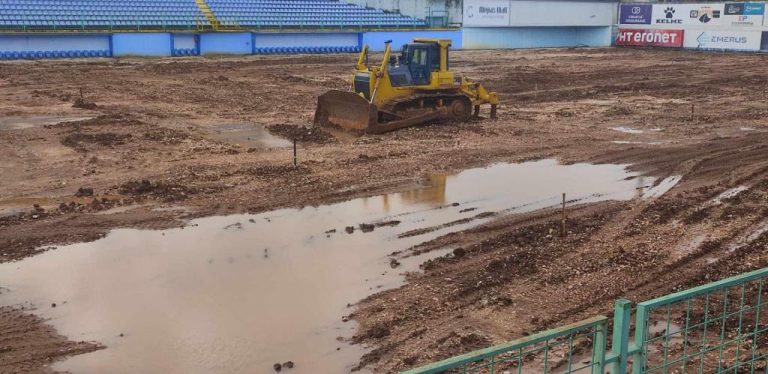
(415, 64)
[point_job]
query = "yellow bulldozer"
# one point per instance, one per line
(413, 88)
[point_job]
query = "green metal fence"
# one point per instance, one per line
(721, 327)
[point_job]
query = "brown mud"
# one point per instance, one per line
(151, 162)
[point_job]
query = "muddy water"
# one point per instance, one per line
(19, 123)
(247, 135)
(236, 294)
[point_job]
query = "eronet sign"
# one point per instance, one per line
(650, 38)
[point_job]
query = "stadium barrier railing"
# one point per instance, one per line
(720, 327)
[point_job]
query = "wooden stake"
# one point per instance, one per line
(562, 232)
(295, 161)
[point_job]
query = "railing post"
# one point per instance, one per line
(641, 330)
(598, 349)
(622, 313)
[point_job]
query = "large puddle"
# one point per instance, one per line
(20, 123)
(238, 293)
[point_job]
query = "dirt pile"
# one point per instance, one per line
(157, 190)
(302, 134)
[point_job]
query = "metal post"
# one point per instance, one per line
(641, 332)
(622, 312)
(598, 349)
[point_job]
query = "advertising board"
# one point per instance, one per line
(717, 39)
(535, 13)
(743, 14)
(635, 14)
(687, 14)
(650, 38)
(486, 13)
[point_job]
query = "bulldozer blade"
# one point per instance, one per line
(347, 110)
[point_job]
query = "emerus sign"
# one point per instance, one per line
(731, 40)
(650, 38)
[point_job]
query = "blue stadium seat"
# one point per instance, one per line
(101, 14)
(305, 13)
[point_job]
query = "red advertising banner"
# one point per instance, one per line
(650, 38)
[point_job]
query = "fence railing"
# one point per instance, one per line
(721, 327)
(562, 350)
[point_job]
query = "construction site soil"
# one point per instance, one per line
(146, 155)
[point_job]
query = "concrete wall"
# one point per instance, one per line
(537, 24)
(535, 37)
(240, 43)
(416, 8)
(53, 42)
(527, 13)
(184, 41)
(13, 46)
(141, 44)
(346, 39)
(375, 40)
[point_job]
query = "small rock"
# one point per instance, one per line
(84, 104)
(53, 305)
(367, 227)
(277, 367)
(288, 364)
(394, 263)
(349, 229)
(459, 252)
(84, 191)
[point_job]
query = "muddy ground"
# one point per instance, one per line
(148, 158)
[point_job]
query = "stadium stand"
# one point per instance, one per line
(31, 15)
